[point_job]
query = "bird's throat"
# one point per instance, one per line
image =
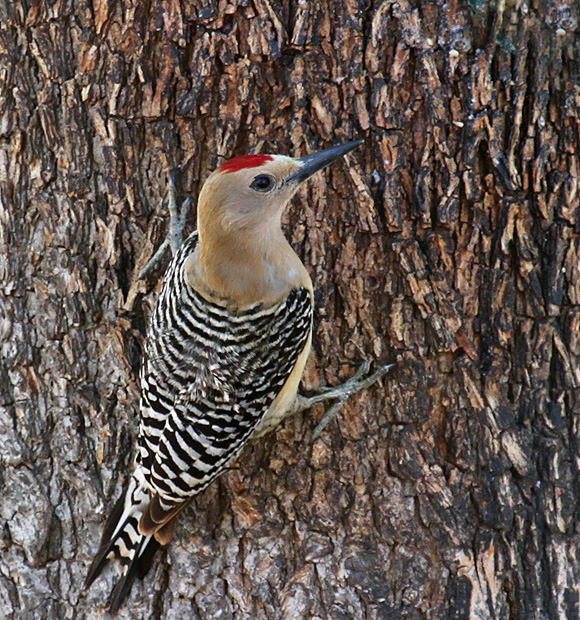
(232, 271)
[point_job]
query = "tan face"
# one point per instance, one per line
(248, 198)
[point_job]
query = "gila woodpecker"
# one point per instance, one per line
(225, 351)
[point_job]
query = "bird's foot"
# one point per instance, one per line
(174, 237)
(340, 394)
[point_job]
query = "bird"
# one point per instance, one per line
(224, 354)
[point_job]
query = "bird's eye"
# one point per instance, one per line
(263, 183)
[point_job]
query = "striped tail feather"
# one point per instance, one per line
(121, 540)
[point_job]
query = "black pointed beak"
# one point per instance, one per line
(317, 161)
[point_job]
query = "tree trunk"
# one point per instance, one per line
(450, 243)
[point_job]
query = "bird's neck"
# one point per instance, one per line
(245, 269)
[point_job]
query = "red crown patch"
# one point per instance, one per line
(246, 161)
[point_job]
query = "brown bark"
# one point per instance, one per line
(450, 243)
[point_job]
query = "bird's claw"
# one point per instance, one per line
(340, 393)
(174, 236)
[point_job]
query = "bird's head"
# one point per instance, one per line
(249, 193)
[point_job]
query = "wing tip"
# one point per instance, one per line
(158, 521)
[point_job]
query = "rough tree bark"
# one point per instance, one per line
(450, 243)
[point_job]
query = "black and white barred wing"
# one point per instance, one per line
(227, 370)
(208, 379)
